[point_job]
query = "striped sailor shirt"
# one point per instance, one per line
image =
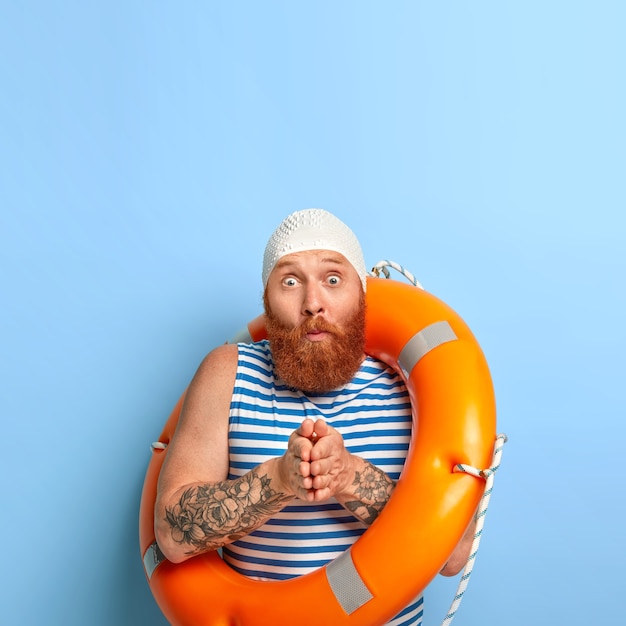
(373, 415)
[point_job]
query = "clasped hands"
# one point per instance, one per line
(316, 465)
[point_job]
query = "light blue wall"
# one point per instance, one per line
(147, 150)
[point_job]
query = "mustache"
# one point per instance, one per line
(317, 323)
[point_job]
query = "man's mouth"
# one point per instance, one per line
(315, 334)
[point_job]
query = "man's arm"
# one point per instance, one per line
(461, 553)
(206, 515)
(370, 492)
(197, 508)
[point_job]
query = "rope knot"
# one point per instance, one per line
(490, 471)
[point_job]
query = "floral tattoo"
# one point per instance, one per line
(207, 514)
(373, 489)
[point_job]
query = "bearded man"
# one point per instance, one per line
(287, 449)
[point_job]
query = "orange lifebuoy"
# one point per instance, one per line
(403, 550)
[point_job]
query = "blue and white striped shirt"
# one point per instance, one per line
(373, 415)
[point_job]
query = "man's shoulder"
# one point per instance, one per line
(223, 357)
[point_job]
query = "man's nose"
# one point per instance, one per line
(313, 301)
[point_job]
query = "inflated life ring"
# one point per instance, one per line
(403, 550)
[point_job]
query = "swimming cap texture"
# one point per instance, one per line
(313, 229)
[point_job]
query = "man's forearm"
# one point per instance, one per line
(368, 493)
(210, 515)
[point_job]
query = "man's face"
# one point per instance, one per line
(315, 310)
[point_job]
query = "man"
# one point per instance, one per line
(288, 449)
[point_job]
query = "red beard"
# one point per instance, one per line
(317, 366)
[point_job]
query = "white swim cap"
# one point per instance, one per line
(313, 229)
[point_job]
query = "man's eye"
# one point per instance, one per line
(334, 280)
(289, 282)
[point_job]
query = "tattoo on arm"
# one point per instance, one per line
(373, 489)
(210, 515)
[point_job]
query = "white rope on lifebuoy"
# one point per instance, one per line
(488, 475)
(381, 268)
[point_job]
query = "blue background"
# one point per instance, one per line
(147, 151)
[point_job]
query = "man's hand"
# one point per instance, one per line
(295, 464)
(316, 465)
(331, 465)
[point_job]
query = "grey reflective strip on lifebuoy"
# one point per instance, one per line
(423, 342)
(152, 559)
(349, 589)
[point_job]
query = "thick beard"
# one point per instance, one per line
(317, 366)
